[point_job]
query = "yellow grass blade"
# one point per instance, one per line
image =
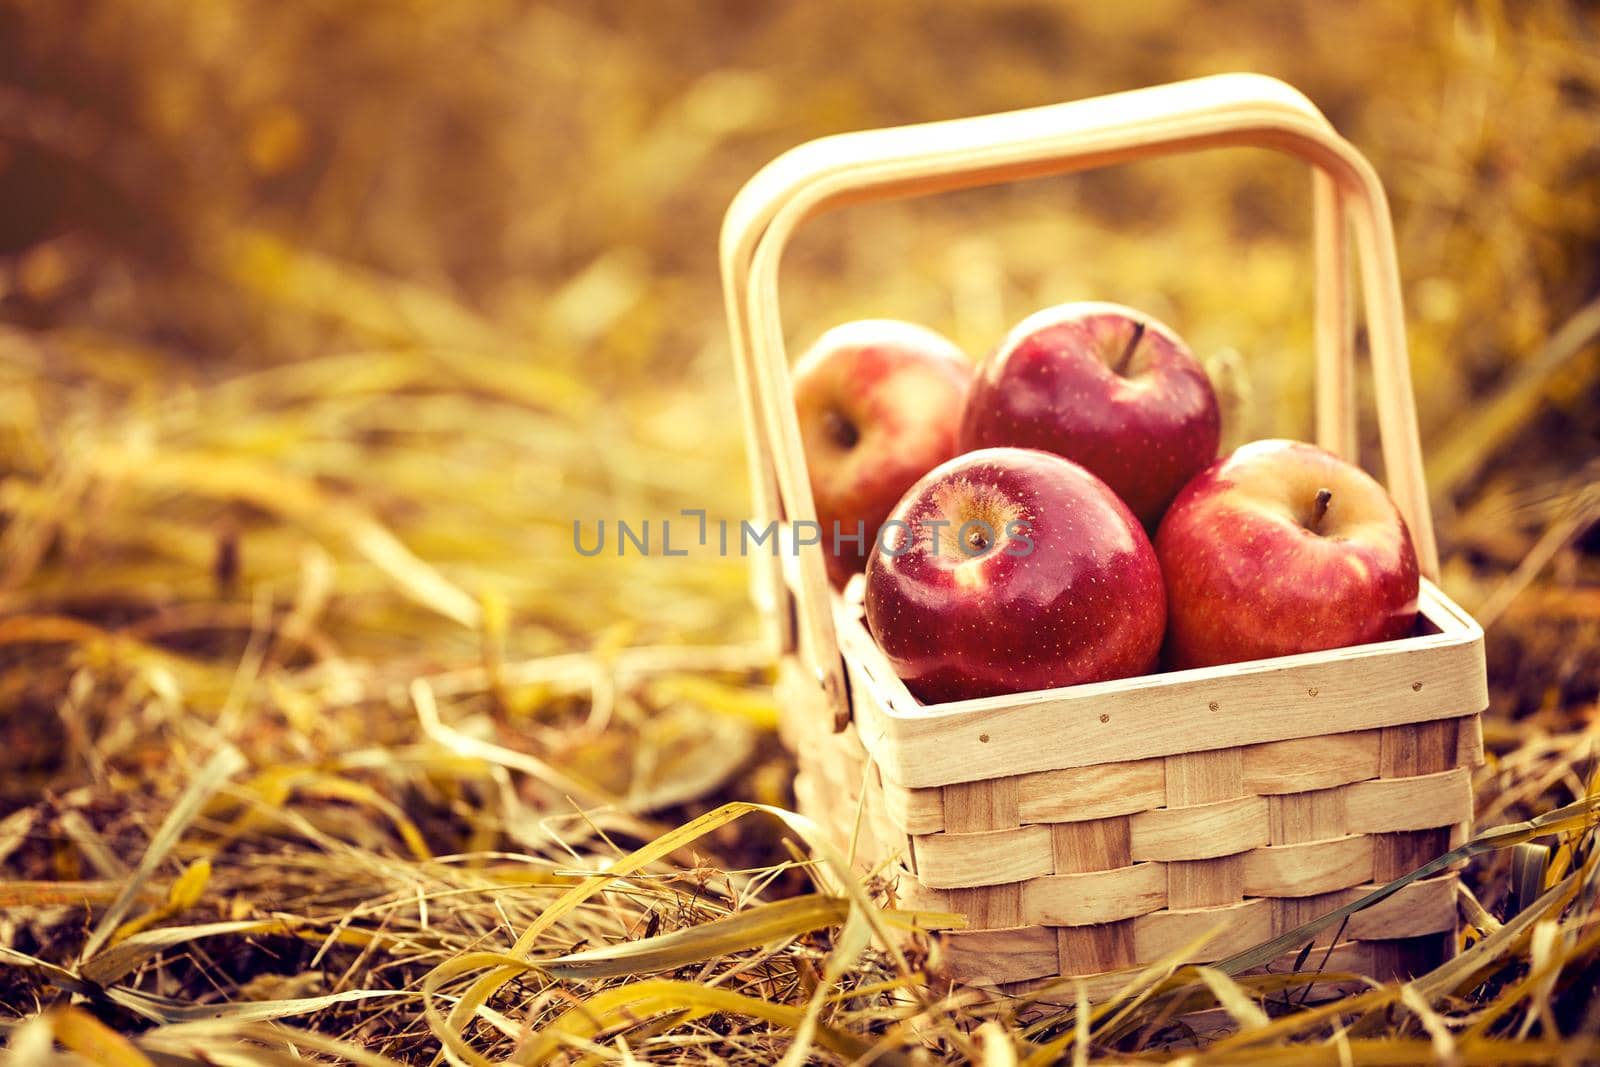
(117, 960)
(744, 929)
(625, 1004)
(183, 895)
(58, 976)
(166, 1010)
(1245, 1011)
(208, 1037)
(59, 894)
(96, 1042)
(226, 762)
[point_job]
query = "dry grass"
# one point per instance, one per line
(323, 322)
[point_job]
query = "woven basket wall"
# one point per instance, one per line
(1096, 869)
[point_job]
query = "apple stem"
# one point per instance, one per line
(1320, 508)
(1133, 343)
(841, 429)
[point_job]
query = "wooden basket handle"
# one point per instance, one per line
(1229, 109)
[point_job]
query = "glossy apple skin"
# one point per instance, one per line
(1086, 604)
(1052, 385)
(1248, 579)
(899, 388)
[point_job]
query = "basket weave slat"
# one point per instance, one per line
(1305, 763)
(1197, 832)
(1390, 805)
(1231, 928)
(1307, 868)
(1090, 897)
(1079, 793)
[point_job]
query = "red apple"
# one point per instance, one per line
(879, 403)
(1106, 386)
(1009, 570)
(1283, 548)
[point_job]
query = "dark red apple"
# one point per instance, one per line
(879, 403)
(1009, 570)
(1283, 548)
(1106, 386)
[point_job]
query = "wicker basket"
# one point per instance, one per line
(1094, 828)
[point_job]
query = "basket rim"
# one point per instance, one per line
(1433, 676)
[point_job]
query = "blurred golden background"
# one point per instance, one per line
(321, 323)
